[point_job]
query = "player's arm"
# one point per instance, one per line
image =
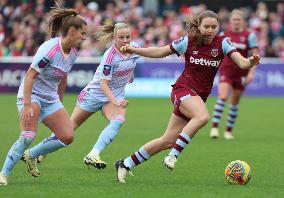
(151, 52)
(106, 90)
(252, 70)
(245, 63)
(27, 111)
(61, 88)
(28, 84)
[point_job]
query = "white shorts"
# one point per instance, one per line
(46, 109)
(88, 102)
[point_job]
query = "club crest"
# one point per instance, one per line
(214, 52)
(106, 70)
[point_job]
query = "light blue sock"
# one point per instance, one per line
(17, 150)
(137, 158)
(108, 134)
(181, 142)
(48, 145)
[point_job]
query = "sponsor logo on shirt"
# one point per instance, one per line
(123, 72)
(106, 70)
(205, 62)
(59, 73)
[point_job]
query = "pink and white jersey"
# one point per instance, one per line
(116, 68)
(201, 63)
(243, 41)
(52, 65)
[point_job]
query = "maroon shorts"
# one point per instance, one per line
(235, 82)
(179, 94)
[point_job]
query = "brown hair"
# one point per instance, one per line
(193, 24)
(62, 19)
(106, 33)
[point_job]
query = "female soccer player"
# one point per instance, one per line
(204, 51)
(231, 77)
(107, 89)
(41, 92)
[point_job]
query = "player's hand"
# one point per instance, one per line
(26, 114)
(249, 78)
(121, 103)
(126, 48)
(254, 60)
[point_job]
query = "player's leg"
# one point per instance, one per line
(233, 112)
(57, 120)
(27, 134)
(60, 124)
(83, 110)
(116, 117)
(195, 109)
(167, 140)
(223, 93)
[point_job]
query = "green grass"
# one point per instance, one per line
(259, 141)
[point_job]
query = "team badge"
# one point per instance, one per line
(106, 70)
(214, 52)
(242, 39)
(43, 62)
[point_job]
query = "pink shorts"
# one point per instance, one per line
(179, 94)
(236, 82)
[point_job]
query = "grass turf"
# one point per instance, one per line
(200, 169)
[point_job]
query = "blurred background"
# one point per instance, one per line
(23, 25)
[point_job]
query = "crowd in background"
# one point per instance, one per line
(23, 24)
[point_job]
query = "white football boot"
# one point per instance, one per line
(3, 180)
(228, 135)
(170, 161)
(40, 158)
(122, 171)
(95, 161)
(214, 133)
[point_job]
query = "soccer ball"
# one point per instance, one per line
(238, 172)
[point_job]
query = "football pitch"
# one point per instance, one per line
(259, 140)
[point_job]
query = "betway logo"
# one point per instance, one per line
(203, 61)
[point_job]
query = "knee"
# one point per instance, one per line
(67, 138)
(167, 143)
(203, 119)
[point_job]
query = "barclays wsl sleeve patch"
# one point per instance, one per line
(106, 70)
(177, 41)
(43, 62)
(229, 42)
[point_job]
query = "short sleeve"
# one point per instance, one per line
(252, 42)
(41, 58)
(180, 45)
(106, 66)
(227, 46)
(134, 44)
